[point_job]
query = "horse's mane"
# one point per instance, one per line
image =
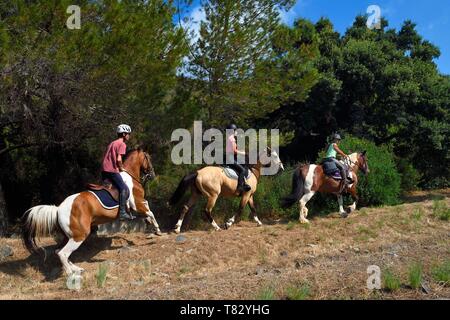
(130, 151)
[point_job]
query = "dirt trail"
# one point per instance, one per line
(329, 257)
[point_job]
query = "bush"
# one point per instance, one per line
(391, 281)
(410, 177)
(441, 273)
(415, 275)
(441, 210)
(298, 292)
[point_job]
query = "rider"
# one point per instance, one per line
(332, 150)
(231, 158)
(112, 166)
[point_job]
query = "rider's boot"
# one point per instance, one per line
(123, 213)
(242, 185)
(344, 182)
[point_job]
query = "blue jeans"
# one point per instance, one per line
(341, 168)
(118, 182)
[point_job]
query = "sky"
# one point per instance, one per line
(431, 16)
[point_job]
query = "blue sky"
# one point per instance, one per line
(432, 17)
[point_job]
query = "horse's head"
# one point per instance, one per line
(146, 166)
(271, 161)
(362, 162)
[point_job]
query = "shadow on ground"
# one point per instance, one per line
(47, 262)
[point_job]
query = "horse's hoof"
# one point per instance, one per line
(158, 233)
(344, 214)
(177, 231)
(305, 221)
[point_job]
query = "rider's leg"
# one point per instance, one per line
(242, 186)
(117, 180)
(341, 168)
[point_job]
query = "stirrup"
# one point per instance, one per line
(125, 216)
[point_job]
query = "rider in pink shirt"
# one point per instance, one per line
(112, 166)
(231, 159)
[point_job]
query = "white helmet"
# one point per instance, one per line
(123, 128)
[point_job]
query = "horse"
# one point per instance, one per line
(74, 217)
(211, 182)
(310, 178)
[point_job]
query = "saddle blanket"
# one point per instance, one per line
(230, 173)
(105, 199)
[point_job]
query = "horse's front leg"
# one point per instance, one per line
(150, 219)
(251, 204)
(355, 200)
(208, 211)
(237, 216)
(342, 212)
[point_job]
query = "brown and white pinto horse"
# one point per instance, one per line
(310, 178)
(211, 182)
(78, 212)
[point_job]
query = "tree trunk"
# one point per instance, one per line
(3, 213)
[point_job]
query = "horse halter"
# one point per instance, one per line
(148, 174)
(363, 169)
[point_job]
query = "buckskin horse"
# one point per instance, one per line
(212, 181)
(74, 217)
(310, 178)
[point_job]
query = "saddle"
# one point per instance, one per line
(331, 170)
(110, 188)
(232, 174)
(106, 194)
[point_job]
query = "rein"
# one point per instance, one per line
(146, 176)
(138, 180)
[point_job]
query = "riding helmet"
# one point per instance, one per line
(123, 128)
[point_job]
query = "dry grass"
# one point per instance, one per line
(327, 260)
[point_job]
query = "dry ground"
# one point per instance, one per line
(330, 257)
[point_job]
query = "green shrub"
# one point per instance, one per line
(298, 292)
(391, 281)
(441, 210)
(415, 275)
(410, 177)
(266, 293)
(101, 275)
(441, 273)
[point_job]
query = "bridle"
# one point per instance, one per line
(351, 163)
(147, 175)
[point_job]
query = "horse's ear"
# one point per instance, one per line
(138, 147)
(364, 152)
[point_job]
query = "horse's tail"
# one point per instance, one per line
(39, 221)
(297, 190)
(187, 181)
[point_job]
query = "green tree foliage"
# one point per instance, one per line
(64, 91)
(381, 85)
(245, 63)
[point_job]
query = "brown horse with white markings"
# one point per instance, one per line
(74, 217)
(310, 178)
